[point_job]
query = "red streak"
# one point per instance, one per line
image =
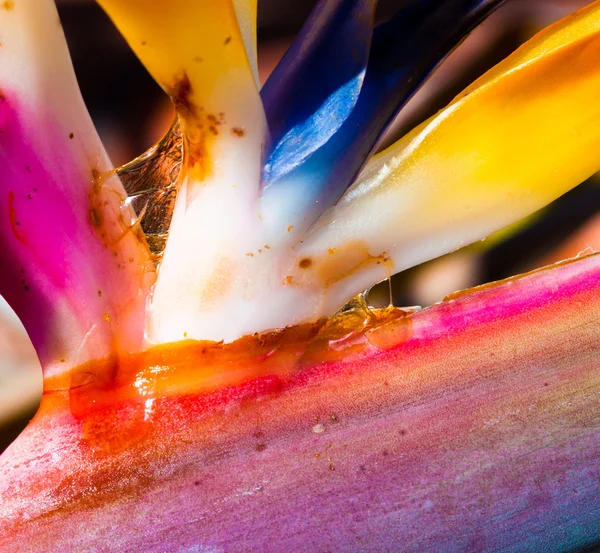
(12, 216)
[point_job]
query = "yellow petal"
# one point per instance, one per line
(196, 51)
(522, 135)
(246, 15)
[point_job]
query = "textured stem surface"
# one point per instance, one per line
(472, 425)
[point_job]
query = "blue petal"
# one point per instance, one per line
(404, 51)
(316, 85)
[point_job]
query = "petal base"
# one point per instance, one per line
(472, 425)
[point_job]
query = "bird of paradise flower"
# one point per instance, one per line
(206, 384)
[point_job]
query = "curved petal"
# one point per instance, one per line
(515, 140)
(315, 86)
(74, 267)
(196, 52)
(403, 53)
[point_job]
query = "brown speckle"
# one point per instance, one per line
(213, 130)
(99, 293)
(260, 447)
(197, 483)
(238, 132)
(305, 263)
(227, 40)
(95, 217)
(27, 168)
(144, 43)
(71, 136)
(198, 59)
(181, 93)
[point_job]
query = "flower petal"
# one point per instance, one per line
(314, 88)
(196, 52)
(403, 53)
(515, 140)
(74, 267)
(246, 16)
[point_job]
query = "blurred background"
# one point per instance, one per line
(131, 113)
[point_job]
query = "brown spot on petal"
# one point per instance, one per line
(181, 93)
(95, 217)
(340, 262)
(197, 132)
